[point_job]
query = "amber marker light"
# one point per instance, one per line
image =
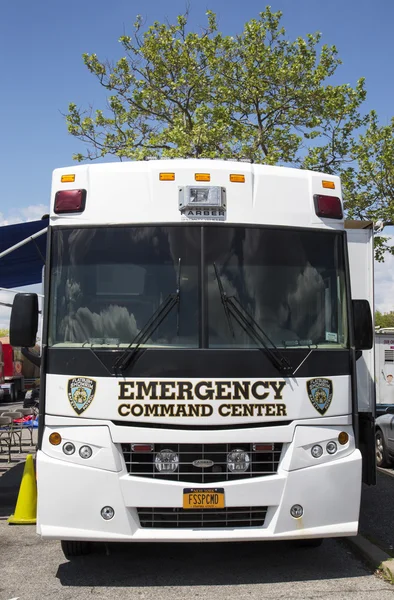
(237, 178)
(55, 438)
(167, 176)
(328, 184)
(67, 178)
(343, 438)
(202, 177)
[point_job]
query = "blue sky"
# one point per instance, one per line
(42, 71)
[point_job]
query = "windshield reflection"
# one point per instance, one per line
(106, 283)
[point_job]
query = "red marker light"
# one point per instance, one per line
(263, 447)
(70, 201)
(328, 207)
(142, 448)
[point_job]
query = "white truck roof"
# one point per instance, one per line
(133, 192)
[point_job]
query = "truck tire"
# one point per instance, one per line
(382, 457)
(75, 548)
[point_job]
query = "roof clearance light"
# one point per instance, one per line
(202, 177)
(67, 178)
(328, 207)
(237, 178)
(167, 176)
(70, 201)
(328, 184)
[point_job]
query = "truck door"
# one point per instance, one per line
(360, 248)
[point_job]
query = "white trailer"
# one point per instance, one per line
(384, 367)
(207, 369)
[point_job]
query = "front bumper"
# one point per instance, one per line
(71, 496)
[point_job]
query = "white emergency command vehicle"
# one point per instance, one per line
(207, 372)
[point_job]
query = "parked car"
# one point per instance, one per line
(384, 437)
(381, 409)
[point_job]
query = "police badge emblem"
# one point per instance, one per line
(320, 391)
(80, 391)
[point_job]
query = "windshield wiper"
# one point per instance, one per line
(123, 361)
(232, 306)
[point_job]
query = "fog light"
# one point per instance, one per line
(296, 511)
(331, 447)
(166, 461)
(343, 438)
(68, 448)
(85, 452)
(55, 438)
(316, 451)
(107, 513)
(238, 461)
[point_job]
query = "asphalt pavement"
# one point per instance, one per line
(32, 569)
(11, 471)
(377, 512)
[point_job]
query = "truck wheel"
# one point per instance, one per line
(75, 548)
(382, 459)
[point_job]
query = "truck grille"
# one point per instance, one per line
(235, 516)
(262, 462)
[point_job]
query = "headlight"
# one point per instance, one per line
(316, 451)
(166, 461)
(68, 448)
(85, 452)
(238, 461)
(107, 513)
(331, 447)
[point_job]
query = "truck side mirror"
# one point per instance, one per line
(24, 320)
(363, 327)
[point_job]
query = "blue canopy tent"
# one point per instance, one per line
(22, 253)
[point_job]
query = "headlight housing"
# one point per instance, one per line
(238, 461)
(166, 461)
(68, 448)
(331, 447)
(85, 452)
(316, 451)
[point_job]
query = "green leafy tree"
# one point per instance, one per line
(368, 182)
(258, 95)
(3, 333)
(384, 319)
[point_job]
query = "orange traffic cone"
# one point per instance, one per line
(26, 505)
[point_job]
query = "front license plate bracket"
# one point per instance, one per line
(203, 498)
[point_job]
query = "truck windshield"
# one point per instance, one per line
(290, 281)
(107, 282)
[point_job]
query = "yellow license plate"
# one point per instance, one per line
(203, 498)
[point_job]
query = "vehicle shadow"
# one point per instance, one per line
(202, 564)
(10, 479)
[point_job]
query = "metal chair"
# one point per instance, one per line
(5, 435)
(28, 425)
(15, 428)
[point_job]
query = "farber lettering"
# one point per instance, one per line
(240, 398)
